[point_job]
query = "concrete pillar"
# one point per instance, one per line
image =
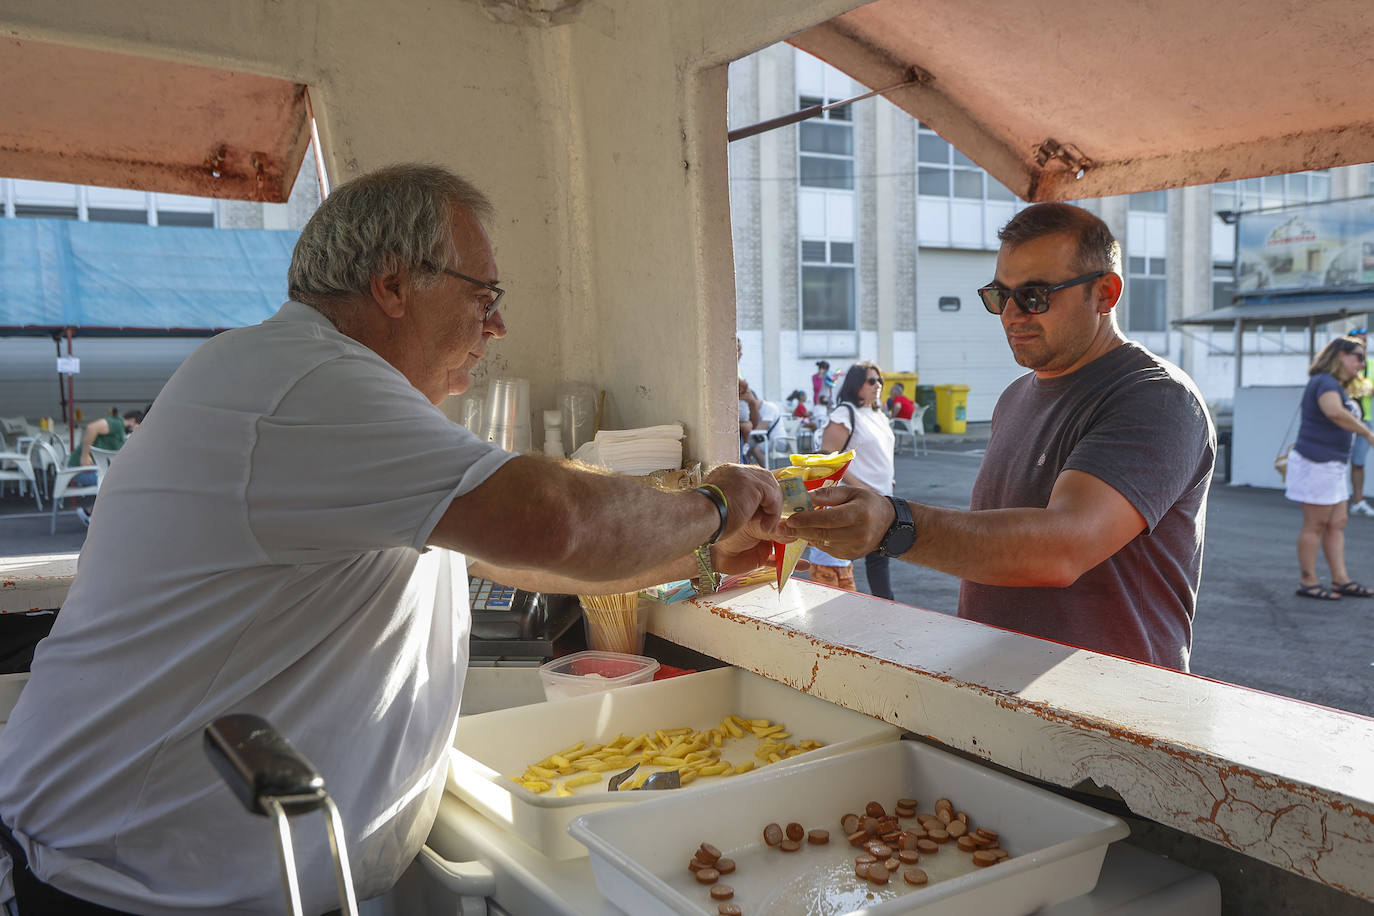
(895, 224)
(1190, 213)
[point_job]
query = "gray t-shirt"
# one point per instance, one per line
(1139, 424)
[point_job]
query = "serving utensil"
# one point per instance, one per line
(665, 779)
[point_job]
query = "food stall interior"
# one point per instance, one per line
(600, 127)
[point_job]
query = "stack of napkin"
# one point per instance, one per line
(635, 451)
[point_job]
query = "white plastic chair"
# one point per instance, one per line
(17, 465)
(910, 429)
(62, 480)
(783, 440)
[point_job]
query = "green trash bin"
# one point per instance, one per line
(951, 408)
(925, 396)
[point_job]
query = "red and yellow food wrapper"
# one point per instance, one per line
(814, 471)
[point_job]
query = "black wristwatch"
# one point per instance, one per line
(902, 534)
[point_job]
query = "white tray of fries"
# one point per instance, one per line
(725, 724)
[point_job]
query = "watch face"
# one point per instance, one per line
(899, 540)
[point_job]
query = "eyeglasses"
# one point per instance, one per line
(1033, 300)
(490, 306)
(874, 381)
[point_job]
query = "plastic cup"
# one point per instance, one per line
(506, 414)
(577, 403)
(619, 631)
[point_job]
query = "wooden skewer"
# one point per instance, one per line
(613, 622)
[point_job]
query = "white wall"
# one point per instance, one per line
(1263, 425)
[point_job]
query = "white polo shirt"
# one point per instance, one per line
(258, 546)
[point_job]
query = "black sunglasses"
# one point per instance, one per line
(490, 306)
(874, 381)
(1033, 300)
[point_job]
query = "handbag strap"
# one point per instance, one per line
(853, 422)
(1286, 443)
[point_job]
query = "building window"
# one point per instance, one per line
(1149, 202)
(961, 206)
(943, 171)
(1272, 191)
(185, 218)
(826, 147)
(1223, 285)
(1146, 300)
(827, 281)
(38, 211)
(116, 215)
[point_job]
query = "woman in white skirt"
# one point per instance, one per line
(1316, 467)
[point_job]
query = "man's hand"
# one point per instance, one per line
(740, 553)
(851, 524)
(753, 499)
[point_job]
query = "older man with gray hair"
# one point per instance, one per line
(287, 538)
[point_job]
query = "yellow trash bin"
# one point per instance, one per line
(907, 380)
(951, 408)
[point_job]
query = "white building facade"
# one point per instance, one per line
(864, 235)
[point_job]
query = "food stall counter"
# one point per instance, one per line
(1275, 779)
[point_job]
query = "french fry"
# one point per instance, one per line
(694, 754)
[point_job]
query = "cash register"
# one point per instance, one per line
(512, 625)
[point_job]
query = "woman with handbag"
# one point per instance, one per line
(1316, 467)
(857, 422)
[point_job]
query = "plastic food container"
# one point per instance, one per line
(639, 855)
(592, 672)
(491, 747)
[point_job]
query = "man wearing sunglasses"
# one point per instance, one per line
(1087, 517)
(287, 537)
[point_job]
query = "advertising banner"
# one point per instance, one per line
(1313, 248)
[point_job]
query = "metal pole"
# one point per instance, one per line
(61, 387)
(1238, 338)
(71, 399)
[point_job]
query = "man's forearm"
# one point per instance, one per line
(538, 580)
(554, 517)
(1008, 547)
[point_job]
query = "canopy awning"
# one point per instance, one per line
(1292, 313)
(1087, 99)
(117, 279)
(91, 116)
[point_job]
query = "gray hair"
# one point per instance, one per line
(396, 218)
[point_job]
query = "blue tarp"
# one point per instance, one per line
(121, 279)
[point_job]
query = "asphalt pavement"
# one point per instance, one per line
(1251, 628)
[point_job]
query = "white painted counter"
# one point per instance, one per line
(1283, 781)
(37, 583)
